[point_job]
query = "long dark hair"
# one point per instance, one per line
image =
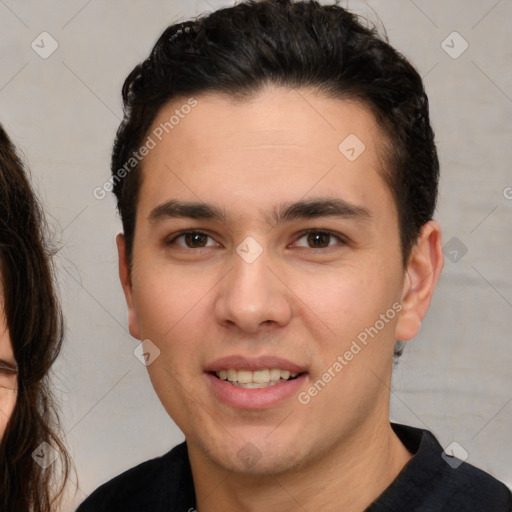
(35, 326)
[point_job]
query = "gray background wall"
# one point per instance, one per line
(63, 110)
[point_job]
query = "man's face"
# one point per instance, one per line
(8, 376)
(295, 256)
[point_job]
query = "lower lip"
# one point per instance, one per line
(260, 398)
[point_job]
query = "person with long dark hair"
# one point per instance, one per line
(34, 463)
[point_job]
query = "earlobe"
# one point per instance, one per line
(421, 275)
(126, 282)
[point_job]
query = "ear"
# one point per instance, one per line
(421, 275)
(126, 282)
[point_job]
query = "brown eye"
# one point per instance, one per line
(316, 239)
(193, 240)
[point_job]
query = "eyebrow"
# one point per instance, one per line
(185, 209)
(320, 207)
(286, 212)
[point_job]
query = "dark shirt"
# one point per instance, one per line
(427, 483)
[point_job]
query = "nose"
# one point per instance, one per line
(252, 297)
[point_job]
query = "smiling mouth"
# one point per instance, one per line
(256, 379)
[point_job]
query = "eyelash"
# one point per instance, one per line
(7, 370)
(341, 239)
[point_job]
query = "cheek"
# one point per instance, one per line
(168, 309)
(173, 316)
(163, 298)
(8, 382)
(7, 403)
(345, 304)
(349, 295)
(173, 310)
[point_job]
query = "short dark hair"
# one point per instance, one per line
(34, 323)
(239, 50)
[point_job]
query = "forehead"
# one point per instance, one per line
(278, 146)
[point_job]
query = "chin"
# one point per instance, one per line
(256, 456)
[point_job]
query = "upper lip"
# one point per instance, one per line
(239, 362)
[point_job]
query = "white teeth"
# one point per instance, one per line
(259, 376)
(244, 376)
(251, 385)
(255, 379)
(275, 374)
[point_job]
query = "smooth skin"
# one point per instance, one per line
(305, 298)
(8, 374)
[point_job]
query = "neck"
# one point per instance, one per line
(349, 478)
